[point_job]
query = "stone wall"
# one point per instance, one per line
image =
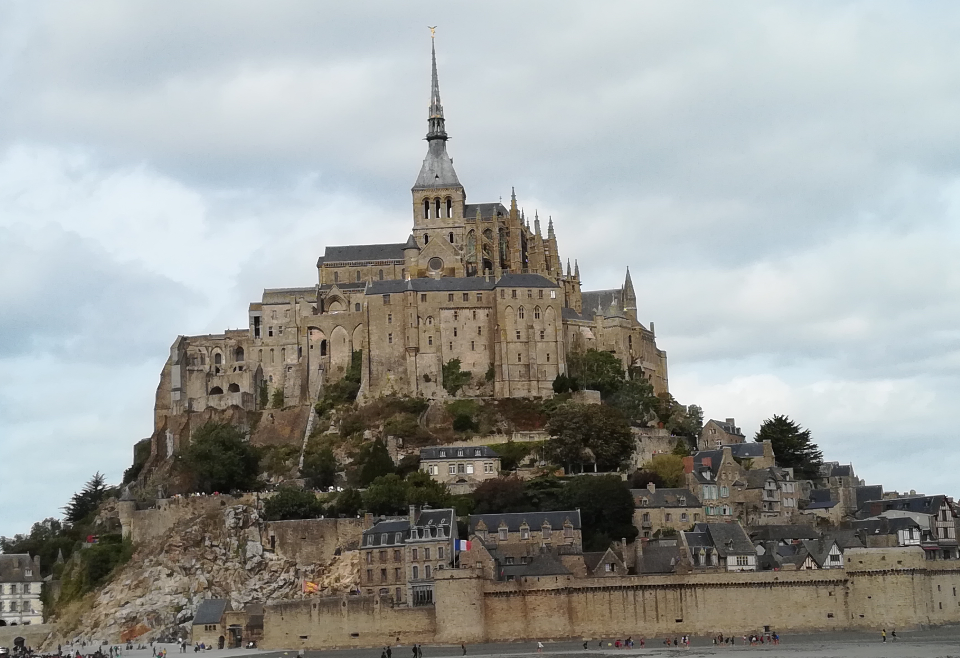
(155, 522)
(311, 541)
(892, 588)
(344, 621)
(34, 634)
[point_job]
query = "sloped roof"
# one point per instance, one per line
(427, 284)
(210, 611)
(658, 558)
(437, 170)
(534, 520)
(594, 559)
(542, 564)
(487, 210)
(452, 452)
(868, 492)
(14, 567)
(729, 539)
(916, 504)
(665, 498)
(726, 427)
(363, 252)
(746, 450)
(599, 302)
(780, 532)
(525, 281)
(374, 536)
(441, 516)
(570, 314)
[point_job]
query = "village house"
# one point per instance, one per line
(770, 496)
(604, 564)
(20, 585)
(842, 483)
(716, 433)
(720, 546)
(461, 468)
(717, 479)
(209, 626)
(660, 556)
(528, 544)
(661, 511)
(822, 507)
(935, 515)
(399, 556)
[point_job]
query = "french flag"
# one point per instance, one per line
(463, 545)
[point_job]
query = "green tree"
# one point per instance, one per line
(453, 377)
(220, 459)
(320, 467)
(374, 462)
(386, 495)
(86, 501)
(292, 503)
(582, 431)
(501, 495)
(606, 509)
(424, 490)
(635, 400)
(792, 445)
(596, 370)
(276, 399)
(682, 448)
(348, 502)
(545, 493)
(668, 468)
(264, 394)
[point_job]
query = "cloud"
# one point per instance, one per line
(782, 180)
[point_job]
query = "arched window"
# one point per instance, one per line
(426, 239)
(356, 307)
(536, 313)
(358, 276)
(426, 208)
(380, 274)
(283, 355)
(449, 207)
(519, 357)
(416, 572)
(233, 388)
(271, 356)
(216, 390)
(430, 320)
(217, 359)
(260, 356)
(450, 237)
(630, 342)
(520, 313)
(323, 347)
(426, 571)
(336, 277)
(437, 213)
(238, 355)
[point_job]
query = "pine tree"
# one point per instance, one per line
(792, 445)
(86, 501)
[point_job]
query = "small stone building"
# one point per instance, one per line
(461, 468)
(660, 511)
(20, 585)
(716, 433)
(210, 624)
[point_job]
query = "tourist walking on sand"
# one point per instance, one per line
(383, 654)
(893, 635)
(539, 647)
(463, 647)
(883, 635)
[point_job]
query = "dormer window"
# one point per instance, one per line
(682, 501)
(524, 532)
(459, 453)
(503, 533)
(547, 531)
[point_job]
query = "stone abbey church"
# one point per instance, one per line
(473, 281)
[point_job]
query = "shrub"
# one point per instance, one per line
(453, 377)
(276, 399)
(220, 459)
(290, 503)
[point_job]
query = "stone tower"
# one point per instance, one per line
(438, 196)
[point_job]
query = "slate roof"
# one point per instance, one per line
(543, 564)
(345, 285)
(437, 169)
(426, 284)
(534, 520)
(374, 536)
(757, 478)
(598, 302)
(210, 611)
(727, 538)
(818, 549)
(487, 210)
(883, 525)
(570, 314)
(665, 498)
(726, 427)
(525, 281)
(868, 492)
(916, 504)
(444, 452)
(14, 566)
(363, 252)
(833, 469)
(781, 532)
(846, 539)
(437, 517)
(658, 557)
(745, 450)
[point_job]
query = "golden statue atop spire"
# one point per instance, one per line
(433, 31)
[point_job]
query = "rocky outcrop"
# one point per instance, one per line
(217, 555)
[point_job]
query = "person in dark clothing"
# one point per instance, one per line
(463, 647)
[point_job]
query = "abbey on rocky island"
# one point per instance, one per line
(473, 281)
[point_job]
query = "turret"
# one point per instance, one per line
(629, 297)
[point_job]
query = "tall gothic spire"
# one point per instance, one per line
(550, 234)
(436, 129)
(437, 170)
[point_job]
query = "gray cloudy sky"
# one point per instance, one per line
(782, 179)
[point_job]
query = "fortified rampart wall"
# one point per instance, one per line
(155, 522)
(892, 588)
